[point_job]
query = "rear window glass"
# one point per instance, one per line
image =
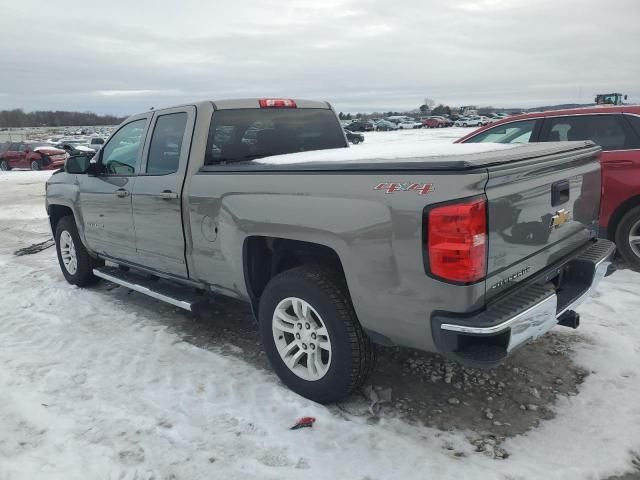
(246, 134)
(608, 131)
(635, 123)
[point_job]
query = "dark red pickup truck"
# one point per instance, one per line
(617, 131)
(33, 155)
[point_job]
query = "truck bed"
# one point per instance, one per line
(412, 156)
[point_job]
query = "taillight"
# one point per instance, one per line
(277, 103)
(457, 241)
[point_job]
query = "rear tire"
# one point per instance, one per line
(75, 262)
(627, 238)
(35, 165)
(355, 141)
(4, 166)
(328, 354)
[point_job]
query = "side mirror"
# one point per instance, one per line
(78, 164)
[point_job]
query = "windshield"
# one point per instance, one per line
(246, 134)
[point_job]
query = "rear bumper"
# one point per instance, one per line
(486, 338)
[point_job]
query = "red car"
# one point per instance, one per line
(617, 131)
(434, 122)
(33, 155)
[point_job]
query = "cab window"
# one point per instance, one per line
(166, 144)
(120, 154)
(515, 132)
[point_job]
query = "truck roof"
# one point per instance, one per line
(238, 103)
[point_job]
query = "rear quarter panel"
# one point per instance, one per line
(377, 236)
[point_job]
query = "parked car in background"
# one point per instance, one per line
(358, 126)
(434, 122)
(409, 124)
(354, 138)
(33, 155)
(75, 147)
(470, 122)
(617, 131)
(95, 142)
(384, 126)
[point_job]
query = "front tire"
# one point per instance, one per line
(75, 262)
(4, 166)
(35, 165)
(627, 238)
(312, 336)
(355, 141)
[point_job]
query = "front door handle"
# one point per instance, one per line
(168, 195)
(122, 193)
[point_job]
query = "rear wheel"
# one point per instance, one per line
(35, 165)
(4, 166)
(75, 262)
(312, 336)
(355, 141)
(628, 237)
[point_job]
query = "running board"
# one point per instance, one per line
(172, 293)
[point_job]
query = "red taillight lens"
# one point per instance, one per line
(277, 103)
(457, 241)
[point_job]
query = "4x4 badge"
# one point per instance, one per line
(419, 188)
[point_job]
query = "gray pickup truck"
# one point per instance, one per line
(467, 253)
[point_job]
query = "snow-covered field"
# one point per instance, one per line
(99, 384)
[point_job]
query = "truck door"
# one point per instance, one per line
(105, 198)
(157, 195)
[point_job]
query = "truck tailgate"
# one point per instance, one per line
(540, 210)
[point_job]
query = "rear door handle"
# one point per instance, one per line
(122, 193)
(168, 195)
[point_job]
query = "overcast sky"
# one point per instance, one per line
(124, 56)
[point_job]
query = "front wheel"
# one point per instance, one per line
(628, 237)
(4, 166)
(312, 336)
(35, 165)
(75, 262)
(355, 141)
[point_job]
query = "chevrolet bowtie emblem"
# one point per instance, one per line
(561, 216)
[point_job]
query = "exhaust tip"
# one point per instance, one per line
(569, 319)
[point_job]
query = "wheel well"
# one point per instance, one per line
(619, 212)
(265, 257)
(56, 212)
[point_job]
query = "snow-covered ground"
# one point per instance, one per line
(96, 384)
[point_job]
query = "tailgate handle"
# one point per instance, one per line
(559, 192)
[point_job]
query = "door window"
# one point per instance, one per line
(608, 131)
(120, 154)
(634, 120)
(166, 144)
(515, 132)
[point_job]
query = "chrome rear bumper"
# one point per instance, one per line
(524, 314)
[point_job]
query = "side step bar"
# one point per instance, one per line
(171, 293)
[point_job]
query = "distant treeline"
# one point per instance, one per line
(18, 118)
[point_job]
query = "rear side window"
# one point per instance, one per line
(634, 120)
(516, 132)
(246, 134)
(166, 144)
(608, 131)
